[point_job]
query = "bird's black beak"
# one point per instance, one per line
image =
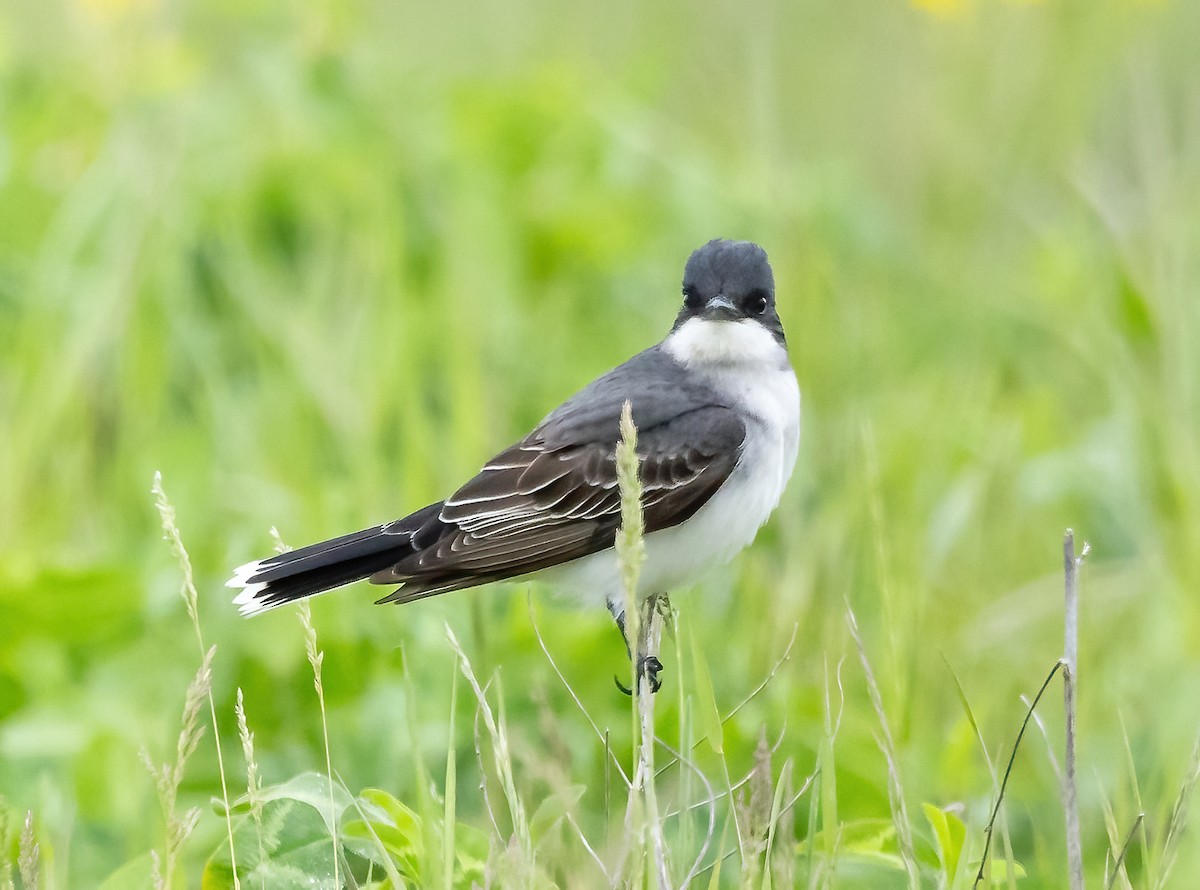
(720, 308)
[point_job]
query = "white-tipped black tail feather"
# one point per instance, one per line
(296, 574)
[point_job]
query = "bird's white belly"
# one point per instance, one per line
(726, 524)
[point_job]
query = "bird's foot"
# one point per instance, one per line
(647, 669)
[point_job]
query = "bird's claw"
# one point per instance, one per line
(648, 667)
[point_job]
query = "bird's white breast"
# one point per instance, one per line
(746, 366)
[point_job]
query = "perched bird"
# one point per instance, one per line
(717, 411)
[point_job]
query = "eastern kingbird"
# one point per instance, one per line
(717, 410)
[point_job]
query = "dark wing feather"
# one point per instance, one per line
(538, 505)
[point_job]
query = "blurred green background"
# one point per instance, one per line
(316, 262)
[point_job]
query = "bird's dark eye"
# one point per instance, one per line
(691, 298)
(757, 302)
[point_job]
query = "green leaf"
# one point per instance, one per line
(397, 827)
(868, 835)
(310, 789)
(293, 850)
(950, 834)
(239, 807)
(869, 839)
(997, 870)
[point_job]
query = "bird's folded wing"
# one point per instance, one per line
(548, 500)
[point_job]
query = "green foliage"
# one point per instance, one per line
(949, 833)
(402, 838)
(316, 263)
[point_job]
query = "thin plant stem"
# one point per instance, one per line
(749, 697)
(710, 799)
(1071, 564)
(316, 659)
(187, 591)
(253, 782)
(501, 754)
(1178, 819)
(644, 623)
(1120, 862)
(987, 842)
(537, 633)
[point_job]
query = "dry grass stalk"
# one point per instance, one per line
(27, 854)
(1070, 794)
(643, 627)
(316, 658)
(169, 776)
(187, 592)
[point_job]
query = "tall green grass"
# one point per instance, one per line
(317, 264)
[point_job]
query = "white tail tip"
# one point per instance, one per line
(247, 599)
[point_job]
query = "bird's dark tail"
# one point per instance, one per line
(287, 577)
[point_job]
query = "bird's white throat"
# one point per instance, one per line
(703, 343)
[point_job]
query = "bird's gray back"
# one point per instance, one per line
(660, 391)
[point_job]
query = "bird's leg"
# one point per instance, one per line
(619, 616)
(667, 611)
(648, 666)
(620, 619)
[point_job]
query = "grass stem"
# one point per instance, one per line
(187, 591)
(644, 626)
(1071, 564)
(316, 660)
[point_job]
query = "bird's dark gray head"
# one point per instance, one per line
(730, 281)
